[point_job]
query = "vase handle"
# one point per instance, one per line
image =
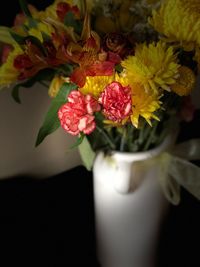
(122, 179)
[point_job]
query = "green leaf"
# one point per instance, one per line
(64, 70)
(70, 20)
(32, 23)
(24, 8)
(18, 38)
(78, 141)
(51, 121)
(15, 91)
(46, 74)
(21, 40)
(87, 154)
(37, 43)
(118, 68)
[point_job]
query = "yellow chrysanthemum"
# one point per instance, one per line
(185, 83)
(153, 66)
(8, 73)
(56, 84)
(143, 105)
(95, 85)
(179, 21)
(42, 30)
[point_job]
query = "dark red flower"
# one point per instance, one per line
(63, 8)
(118, 44)
(22, 62)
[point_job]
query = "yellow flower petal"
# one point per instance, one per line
(179, 21)
(8, 73)
(185, 83)
(154, 66)
(95, 85)
(143, 104)
(56, 84)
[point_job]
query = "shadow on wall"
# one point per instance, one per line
(19, 127)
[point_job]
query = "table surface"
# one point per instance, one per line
(51, 223)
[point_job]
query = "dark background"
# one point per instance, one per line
(10, 8)
(51, 222)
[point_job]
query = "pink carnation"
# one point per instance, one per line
(116, 101)
(77, 114)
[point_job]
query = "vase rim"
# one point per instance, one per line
(142, 155)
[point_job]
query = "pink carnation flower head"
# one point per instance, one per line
(91, 104)
(116, 101)
(77, 114)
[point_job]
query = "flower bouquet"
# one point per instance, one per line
(119, 73)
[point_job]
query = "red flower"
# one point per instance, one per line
(91, 104)
(118, 44)
(116, 101)
(22, 62)
(77, 114)
(79, 75)
(63, 8)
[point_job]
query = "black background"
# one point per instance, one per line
(51, 222)
(10, 8)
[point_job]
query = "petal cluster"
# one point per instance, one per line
(179, 21)
(116, 101)
(76, 115)
(154, 66)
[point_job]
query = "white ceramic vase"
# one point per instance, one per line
(129, 207)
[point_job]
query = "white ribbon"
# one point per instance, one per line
(176, 170)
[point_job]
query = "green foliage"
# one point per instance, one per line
(71, 21)
(78, 141)
(24, 8)
(46, 74)
(87, 154)
(51, 121)
(118, 68)
(21, 40)
(18, 38)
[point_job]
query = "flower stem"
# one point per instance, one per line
(151, 137)
(112, 145)
(123, 139)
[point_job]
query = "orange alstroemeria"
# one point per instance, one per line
(34, 59)
(88, 55)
